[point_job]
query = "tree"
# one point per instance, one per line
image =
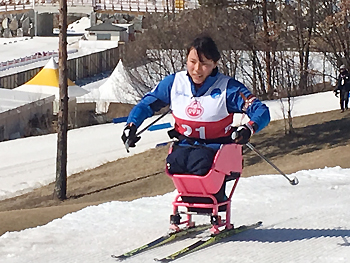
(267, 50)
(250, 35)
(287, 78)
(213, 3)
(60, 191)
(303, 20)
(333, 32)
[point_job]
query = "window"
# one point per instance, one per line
(2, 133)
(103, 36)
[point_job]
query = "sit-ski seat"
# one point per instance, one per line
(227, 164)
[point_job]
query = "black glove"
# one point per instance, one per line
(129, 135)
(243, 133)
(336, 93)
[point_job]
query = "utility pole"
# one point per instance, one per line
(60, 191)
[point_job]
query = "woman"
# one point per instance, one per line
(203, 102)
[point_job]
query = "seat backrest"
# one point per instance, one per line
(227, 159)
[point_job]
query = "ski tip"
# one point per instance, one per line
(119, 258)
(162, 260)
(257, 224)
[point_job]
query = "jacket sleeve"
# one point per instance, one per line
(338, 86)
(241, 100)
(152, 102)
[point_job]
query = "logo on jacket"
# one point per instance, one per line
(215, 93)
(194, 110)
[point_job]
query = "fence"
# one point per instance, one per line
(9, 5)
(120, 5)
(39, 56)
(78, 68)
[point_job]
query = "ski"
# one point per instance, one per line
(164, 240)
(207, 241)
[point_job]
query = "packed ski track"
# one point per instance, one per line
(308, 224)
(304, 223)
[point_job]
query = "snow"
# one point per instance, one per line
(12, 48)
(79, 26)
(301, 224)
(14, 99)
(18, 48)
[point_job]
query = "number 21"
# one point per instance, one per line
(188, 132)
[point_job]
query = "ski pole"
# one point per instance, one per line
(144, 129)
(295, 181)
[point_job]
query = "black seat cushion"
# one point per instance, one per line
(220, 197)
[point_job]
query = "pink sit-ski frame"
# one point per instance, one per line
(227, 159)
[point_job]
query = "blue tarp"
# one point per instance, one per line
(162, 144)
(159, 126)
(120, 119)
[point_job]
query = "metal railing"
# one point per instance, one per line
(38, 56)
(13, 5)
(117, 5)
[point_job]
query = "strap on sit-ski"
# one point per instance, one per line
(175, 134)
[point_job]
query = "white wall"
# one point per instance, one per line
(97, 44)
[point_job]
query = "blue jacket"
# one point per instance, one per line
(159, 97)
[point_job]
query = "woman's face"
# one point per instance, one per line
(199, 69)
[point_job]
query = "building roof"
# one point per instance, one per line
(12, 99)
(105, 27)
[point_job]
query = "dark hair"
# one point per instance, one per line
(205, 46)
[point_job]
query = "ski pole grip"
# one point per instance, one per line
(234, 135)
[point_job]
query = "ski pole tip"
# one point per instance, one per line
(295, 181)
(127, 145)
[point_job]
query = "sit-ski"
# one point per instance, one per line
(192, 190)
(196, 193)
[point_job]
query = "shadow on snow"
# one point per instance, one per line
(290, 234)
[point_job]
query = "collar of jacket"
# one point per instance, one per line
(209, 81)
